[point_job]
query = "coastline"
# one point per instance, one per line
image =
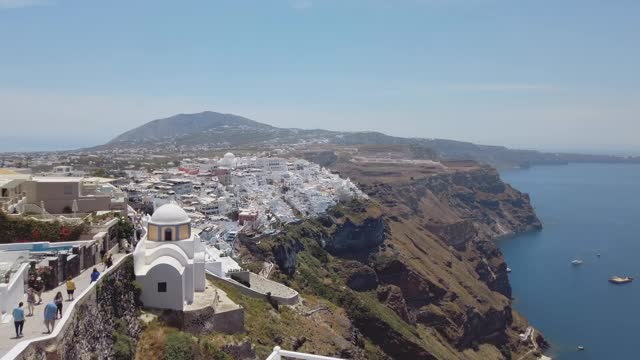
(566, 198)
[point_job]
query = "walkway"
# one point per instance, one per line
(34, 325)
(535, 345)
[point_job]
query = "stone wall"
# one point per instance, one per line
(88, 333)
(206, 320)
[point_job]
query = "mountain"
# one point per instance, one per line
(212, 128)
(216, 130)
(184, 126)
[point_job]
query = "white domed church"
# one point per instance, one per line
(169, 261)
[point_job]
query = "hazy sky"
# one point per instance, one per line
(557, 74)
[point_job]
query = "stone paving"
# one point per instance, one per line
(34, 325)
(262, 285)
(206, 298)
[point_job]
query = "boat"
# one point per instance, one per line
(598, 254)
(580, 348)
(508, 270)
(620, 279)
(576, 262)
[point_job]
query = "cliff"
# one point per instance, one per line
(414, 269)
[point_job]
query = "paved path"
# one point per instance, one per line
(34, 325)
(535, 345)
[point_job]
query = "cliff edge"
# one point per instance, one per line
(414, 268)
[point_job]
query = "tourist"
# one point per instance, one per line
(38, 286)
(50, 316)
(58, 301)
(18, 319)
(105, 259)
(109, 261)
(71, 288)
(95, 274)
(31, 300)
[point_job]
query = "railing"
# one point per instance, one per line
(279, 354)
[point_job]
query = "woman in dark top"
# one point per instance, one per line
(58, 301)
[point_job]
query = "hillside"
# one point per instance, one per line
(211, 130)
(414, 269)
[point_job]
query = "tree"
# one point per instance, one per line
(124, 228)
(233, 215)
(100, 173)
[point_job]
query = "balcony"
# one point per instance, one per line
(279, 354)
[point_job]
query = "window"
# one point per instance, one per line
(153, 233)
(168, 235)
(162, 287)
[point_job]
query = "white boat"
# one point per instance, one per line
(508, 270)
(576, 262)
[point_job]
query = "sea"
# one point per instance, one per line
(586, 210)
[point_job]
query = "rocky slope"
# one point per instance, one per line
(414, 269)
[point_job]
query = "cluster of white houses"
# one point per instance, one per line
(260, 189)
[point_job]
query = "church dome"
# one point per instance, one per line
(229, 156)
(169, 214)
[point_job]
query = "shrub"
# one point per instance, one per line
(179, 346)
(210, 351)
(137, 291)
(25, 229)
(274, 304)
(123, 346)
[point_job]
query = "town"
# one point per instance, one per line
(65, 222)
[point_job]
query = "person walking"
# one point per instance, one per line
(71, 288)
(109, 261)
(18, 319)
(105, 258)
(95, 274)
(31, 300)
(58, 301)
(38, 286)
(50, 316)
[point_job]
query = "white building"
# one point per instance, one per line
(14, 266)
(228, 161)
(181, 186)
(169, 261)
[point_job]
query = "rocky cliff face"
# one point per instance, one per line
(418, 263)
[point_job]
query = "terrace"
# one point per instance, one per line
(279, 354)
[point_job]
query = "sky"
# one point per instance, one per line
(537, 74)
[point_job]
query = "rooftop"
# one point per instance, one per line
(168, 214)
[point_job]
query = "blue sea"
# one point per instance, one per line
(586, 209)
